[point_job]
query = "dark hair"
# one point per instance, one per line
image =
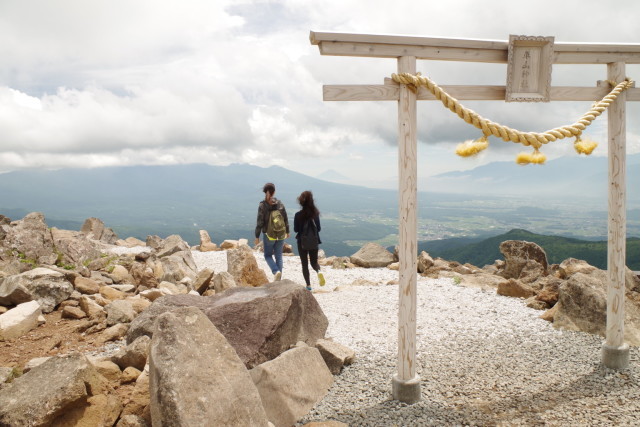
(309, 209)
(269, 188)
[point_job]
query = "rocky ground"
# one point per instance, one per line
(496, 346)
(483, 358)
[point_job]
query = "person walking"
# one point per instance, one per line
(306, 225)
(272, 221)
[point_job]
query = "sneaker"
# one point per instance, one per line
(308, 288)
(321, 278)
(278, 276)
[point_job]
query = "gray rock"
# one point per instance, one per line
(19, 320)
(335, 355)
(95, 229)
(109, 236)
(205, 242)
(242, 265)
(424, 262)
(86, 285)
(570, 266)
(223, 281)
(372, 255)
(523, 260)
(178, 266)
(75, 248)
(196, 377)
(154, 242)
(171, 245)
(260, 323)
(142, 274)
(203, 280)
(515, 288)
(32, 238)
(131, 420)
(119, 311)
(291, 384)
(5, 374)
(582, 306)
(134, 354)
(48, 391)
(46, 286)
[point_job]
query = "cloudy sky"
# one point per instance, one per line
(129, 82)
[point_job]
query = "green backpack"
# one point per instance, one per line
(276, 228)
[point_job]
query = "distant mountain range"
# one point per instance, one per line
(183, 199)
(480, 252)
(574, 177)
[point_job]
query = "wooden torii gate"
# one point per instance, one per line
(406, 50)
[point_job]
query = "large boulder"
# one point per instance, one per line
(291, 384)
(134, 354)
(154, 242)
(120, 311)
(196, 377)
(582, 306)
(424, 262)
(31, 239)
(205, 242)
(223, 281)
(515, 288)
(481, 280)
(130, 242)
(143, 274)
(74, 247)
(4, 226)
(171, 245)
(260, 323)
(570, 266)
(87, 286)
(242, 265)
(523, 260)
(335, 355)
(19, 320)
(179, 266)
(549, 290)
(52, 391)
(44, 285)
(372, 255)
(95, 229)
(203, 280)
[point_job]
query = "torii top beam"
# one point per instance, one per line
(439, 49)
(488, 51)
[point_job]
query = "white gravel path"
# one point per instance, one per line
(483, 359)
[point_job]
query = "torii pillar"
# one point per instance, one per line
(406, 384)
(615, 352)
(406, 50)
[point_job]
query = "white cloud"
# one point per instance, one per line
(118, 82)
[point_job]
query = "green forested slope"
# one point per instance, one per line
(557, 248)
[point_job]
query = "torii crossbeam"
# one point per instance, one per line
(406, 50)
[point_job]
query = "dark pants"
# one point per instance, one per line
(304, 259)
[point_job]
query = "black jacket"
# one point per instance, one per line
(298, 223)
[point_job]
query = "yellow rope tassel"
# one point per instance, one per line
(584, 146)
(536, 157)
(471, 148)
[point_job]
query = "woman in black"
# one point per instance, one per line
(307, 214)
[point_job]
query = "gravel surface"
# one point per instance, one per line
(483, 359)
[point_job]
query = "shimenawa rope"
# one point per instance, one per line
(534, 139)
